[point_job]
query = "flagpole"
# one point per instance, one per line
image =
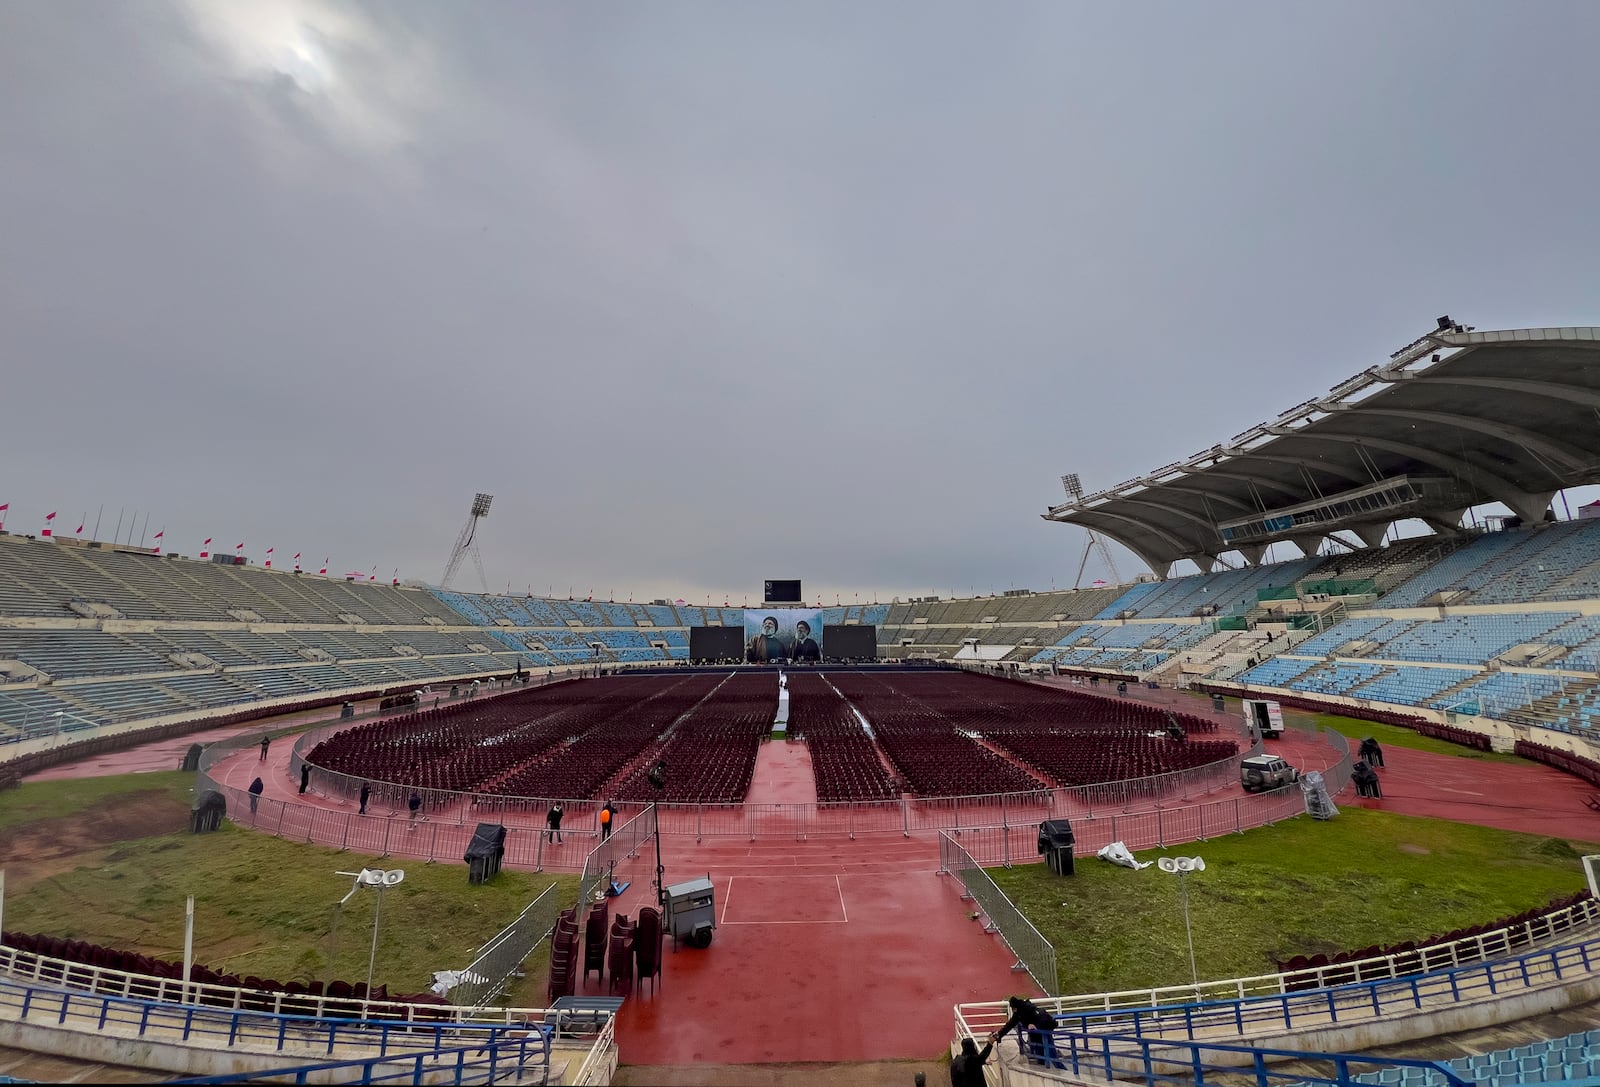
(97, 522)
(118, 533)
(142, 531)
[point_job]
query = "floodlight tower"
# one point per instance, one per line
(1073, 485)
(467, 542)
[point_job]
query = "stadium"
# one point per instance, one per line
(843, 826)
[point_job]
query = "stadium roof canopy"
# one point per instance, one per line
(1456, 419)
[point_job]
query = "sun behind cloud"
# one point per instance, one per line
(363, 79)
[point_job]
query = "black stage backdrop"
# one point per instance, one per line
(850, 642)
(716, 643)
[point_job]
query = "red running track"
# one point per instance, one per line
(847, 951)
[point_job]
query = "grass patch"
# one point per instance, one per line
(36, 800)
(262, 906)
(1298, 888)
(1397, 736)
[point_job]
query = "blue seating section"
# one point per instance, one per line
(1340, 634)
(1558, 1060)
(1500, 692)
(1413, 686)
(1335, 677)
(1470, 639)
(621, 639)
(661, 615)
(1130, 600)
(1277, 672)
(1449, 570)
(1229, 592)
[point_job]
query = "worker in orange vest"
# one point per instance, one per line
(605, 821)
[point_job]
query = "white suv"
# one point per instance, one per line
(1262, 773)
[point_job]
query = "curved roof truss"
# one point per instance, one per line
(1510, 417)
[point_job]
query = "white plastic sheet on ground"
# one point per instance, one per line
(1117, 853)
(445, 980)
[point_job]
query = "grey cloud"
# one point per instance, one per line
(828, 291)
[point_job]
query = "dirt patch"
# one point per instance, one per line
(1414, 850)
(35, 851)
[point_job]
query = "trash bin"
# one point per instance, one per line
(208, 811)
(1217, 703)
(484, 853)
(191, 758)
(1055, 845)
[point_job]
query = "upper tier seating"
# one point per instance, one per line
(43, 577)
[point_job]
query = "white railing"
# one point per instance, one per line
(600, 1064)
(978, 1019)
(26, 966)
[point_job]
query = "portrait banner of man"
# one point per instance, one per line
(782, 634)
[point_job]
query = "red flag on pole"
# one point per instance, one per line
(47, 519)
(396, 580)
(269, 558)
(324, 569)
(205, 548)
(156, 549)
(3, 507)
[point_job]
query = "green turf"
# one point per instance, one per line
(263, 906)
(1298, 888)
(1397, 736)
(35, 800)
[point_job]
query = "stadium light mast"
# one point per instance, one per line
(1073, 485)
(467, 543)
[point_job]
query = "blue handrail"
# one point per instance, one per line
(1364, 999)
(236, 1028)
(1111, 1055)
(501, 1061)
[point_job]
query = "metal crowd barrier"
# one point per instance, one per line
(499, 959)
(1034, 953)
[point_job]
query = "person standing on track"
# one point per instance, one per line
(366, 791)
(266, 742)
(966, 1068)
(256, 788)
(553, 821)
(415, 804)
(606, 815)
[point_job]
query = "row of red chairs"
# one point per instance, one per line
(1407, 955)
(260, 995)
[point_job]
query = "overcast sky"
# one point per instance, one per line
(711, 293)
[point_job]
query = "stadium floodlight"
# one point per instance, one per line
(1072, 483)
(467, 542)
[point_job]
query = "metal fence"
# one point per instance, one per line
(499, 960)
(1034, 953)
(628, 852)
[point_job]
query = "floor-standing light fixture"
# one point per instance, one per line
(1181, 867)
(367, 877)
(658, 782)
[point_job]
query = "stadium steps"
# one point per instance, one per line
(87, 558)
(1548, 710)
(1447, 696)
